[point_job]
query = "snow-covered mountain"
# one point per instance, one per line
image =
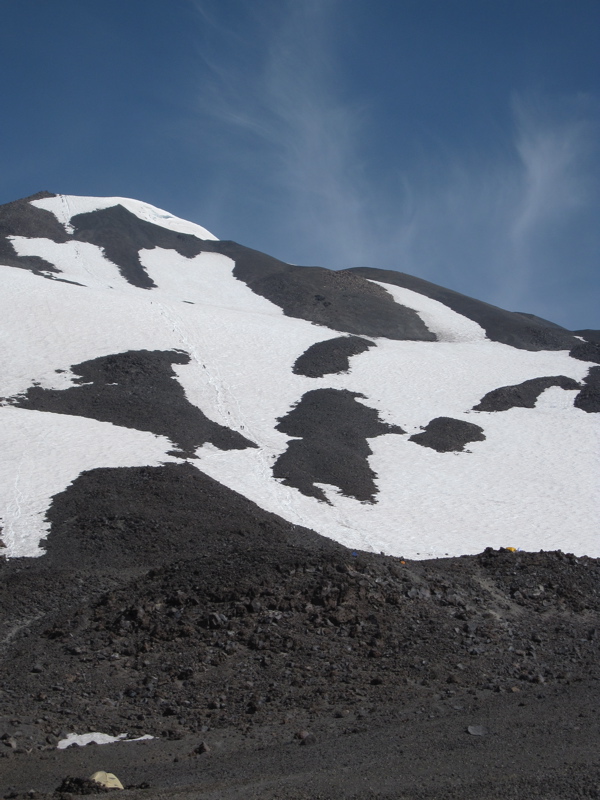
(371, 406)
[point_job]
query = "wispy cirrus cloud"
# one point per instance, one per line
(555, 139)
(496, 220)
(280, 99)
(511, 220)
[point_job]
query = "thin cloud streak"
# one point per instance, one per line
(477, 222)
(555, 148)
(492, 223)
(304, 134)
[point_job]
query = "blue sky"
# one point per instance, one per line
(457, 140)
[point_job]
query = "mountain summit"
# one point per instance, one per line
(145, 359)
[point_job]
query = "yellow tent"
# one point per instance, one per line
(107, 779)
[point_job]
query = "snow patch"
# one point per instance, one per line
(31, 472)
(448, 325)
(80, 262)
(534, 482)
(81, 739)
(64, 207)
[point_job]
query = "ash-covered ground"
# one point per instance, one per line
(270, 662)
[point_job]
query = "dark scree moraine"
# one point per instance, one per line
(589, 334)
(342, 301)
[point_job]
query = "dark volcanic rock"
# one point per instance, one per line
(274, 633)
(589, 334)
(121, 235)
(330, 357)
(168, 604)
(545, 322)
(137, 389)
(20, 218)
(588, 398)
(342, 301)
(526, 332)
(446, 435)
(586, 351)
(345, 300)
(119, 232)
(80, 786)
(522, 395)
(333, 428)
(150, 516)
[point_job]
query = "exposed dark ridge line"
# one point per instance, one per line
(545, 322)
(522, 395)
(137, 389)
(333, 449)
(41, 195)
(590, 334)
(121, 235)
(447, 435)
(330, 357)
(20, 218)
(337, 300)
(586, 351)
(588, 398)
(516, 329)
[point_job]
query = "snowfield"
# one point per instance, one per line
(64, 207)
(533, 483)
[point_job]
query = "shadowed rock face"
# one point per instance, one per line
(137, 389)
(330, 357)
(447, 435)
(522, 395)
(588, 398)
(524, 331)
(333, 449)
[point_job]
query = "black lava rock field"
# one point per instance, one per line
(268, 661)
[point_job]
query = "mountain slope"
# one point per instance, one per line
(133, 338)
(186, 426)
